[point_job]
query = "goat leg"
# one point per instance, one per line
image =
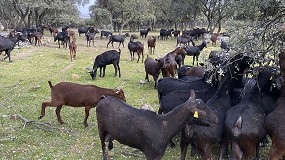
(44, 105)
(70, 55)
(146, 77)
(138, 52)
(100, 75)
(104, 68)
(102, 135)
(183, 145)
(57, 111)
(87, 109)
(119, 69)
(115, 67)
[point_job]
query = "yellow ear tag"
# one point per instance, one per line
(196, 114)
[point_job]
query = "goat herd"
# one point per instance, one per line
(226, 102)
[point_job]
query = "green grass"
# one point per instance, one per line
(24, 87)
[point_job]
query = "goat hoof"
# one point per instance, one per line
(40, 117)
(85, 124)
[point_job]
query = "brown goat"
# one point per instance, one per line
(153, 67)
(151, 44)
(77, 95)
(53, 30)
(71, 34)
(72, 49)
(38, 38)
(170, 69)
(214, 38)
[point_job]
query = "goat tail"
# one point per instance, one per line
(119, 51)
(50, 85)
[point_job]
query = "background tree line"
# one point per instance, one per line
(27, 13)
(254, 25)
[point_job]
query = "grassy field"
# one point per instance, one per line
(24, 87)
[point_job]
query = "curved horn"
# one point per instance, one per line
(192, 95)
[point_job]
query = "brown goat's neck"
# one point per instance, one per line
(176, 52)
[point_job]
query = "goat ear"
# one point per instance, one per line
(238, 123)
(192, 95)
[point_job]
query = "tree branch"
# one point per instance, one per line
(38, 124)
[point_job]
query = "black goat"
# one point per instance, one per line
(175, 98)
(170, 100)
(118, 38)
(148, 131)
(8, 44)
(167, 85)
(136, 47)
(225, 46)
(106, 58)
(105, 34)
(181, 71)
(63, 37)
(163, 33)
(90, 36)
(185, 39)
(28, 33)
(245, 123)
(202, 138)
(176, 33)
(195, 51)
(83, 30)
(144, 33)
(198, 32)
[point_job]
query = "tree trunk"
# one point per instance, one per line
(124, 23)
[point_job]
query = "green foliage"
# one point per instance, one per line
(100, 17)
(31, 12)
